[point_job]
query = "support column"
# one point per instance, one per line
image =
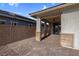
(38, 29)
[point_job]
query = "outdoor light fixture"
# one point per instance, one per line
(47, 23)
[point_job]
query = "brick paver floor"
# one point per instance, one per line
(50, 46)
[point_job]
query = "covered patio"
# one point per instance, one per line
(56, 21)
(48, 23)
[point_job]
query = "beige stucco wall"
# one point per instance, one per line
(70, 24)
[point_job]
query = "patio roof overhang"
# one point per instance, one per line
(53, 12)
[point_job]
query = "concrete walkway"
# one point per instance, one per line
(30, 47)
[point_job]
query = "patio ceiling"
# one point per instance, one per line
(55, 18)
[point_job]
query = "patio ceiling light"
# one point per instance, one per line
(47, 23)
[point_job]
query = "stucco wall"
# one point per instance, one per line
(70, 24)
